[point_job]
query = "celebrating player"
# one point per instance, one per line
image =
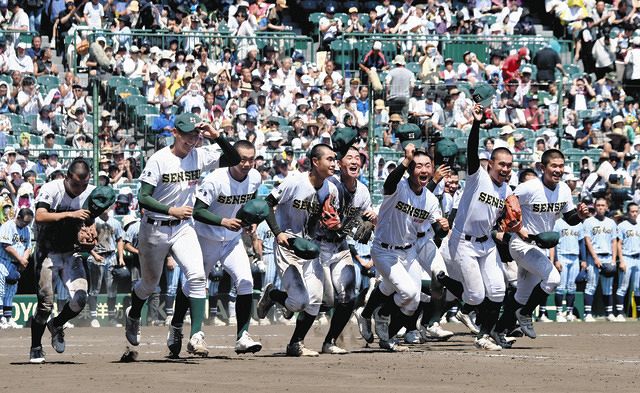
(629, 255)
(58, 214)
(167, 195)
(222, 193)
(600, 239)
(299, 200)
(470, 254)
(406, 207)
(542, 201)
(335, 255)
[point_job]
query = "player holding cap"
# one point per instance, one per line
(629, 254)
(542, 202)
(335, 254)
(299, 200)
(470, 253)
(167, 195)
(220, 196)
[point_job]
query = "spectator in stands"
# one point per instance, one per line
(580, 94)
(43, 64)
(19, 20)
(353, 24)
(164, 124)
(511, 65)
(78, 99)
(7, 103)
(604, 55)
(584, 46)
(399, 83)
(29, 98)
(45, 123)
(93, 13)
(511, 115)
(585, 137)
(19, 61)
(471, 69)
(534, 114)
(547, 61)
(632, 59)
(330, 27)
(76, 124)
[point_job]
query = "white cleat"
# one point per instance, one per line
(393, 345)
(486, 343)
(299, 350)
(381, 325)
(3, 324)
(571, 318)
(589, 318)
(435, 332)
(322, 319)
(465, 319)
(95, 323)
(561, 318)
(11, 324)
(246, 344)
(197, 346)
(69, 325)
(332, 349)
(611, 318)
(621, 318)
(544, 318)
(364, 325)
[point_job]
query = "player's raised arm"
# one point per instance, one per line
(473, 160)
(230, 155)
(577, 215)
(391, 183)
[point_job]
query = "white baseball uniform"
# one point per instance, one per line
(402, 214)
(175, 180)
(298, 212)
(225, 196)
(56, 243)
(335, 256)
(541, 207)
(470, 253)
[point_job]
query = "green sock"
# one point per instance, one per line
(197, 314)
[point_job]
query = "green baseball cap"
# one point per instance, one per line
(445, 148)
(187, 122)
(253, 212)
(483, 94)
(304, 248)
(100, 199)
(409, 133)
(546, 239)
(342, 139)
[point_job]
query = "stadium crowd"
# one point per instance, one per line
(285, 101)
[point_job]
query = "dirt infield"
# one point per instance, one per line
(568, 357)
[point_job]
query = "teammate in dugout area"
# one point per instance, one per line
(299, 200)
(470, 253)
(15, 239)
(542, 202)
(108, 254)
(629, 256)
(58, 213)
(335, 254)
(600, 238)
(569, 258)
(222, 193)
(167, 195)
(406, 207)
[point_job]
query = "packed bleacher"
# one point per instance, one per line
(105, 81)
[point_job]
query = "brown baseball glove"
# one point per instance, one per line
(330, 217)
(511, 220)
(87, 237)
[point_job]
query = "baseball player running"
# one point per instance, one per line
(335, 255)
(600, 239)
(299, 200)
(567, 257)
(629, 255)
(15, 239)
(167, 195)
(470, 253)
(542, 202)
(407, 206)
(58, 212)
(218, 199)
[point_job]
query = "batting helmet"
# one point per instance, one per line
(582, 277)
(253, 212)
(608, 269)
(121, 273)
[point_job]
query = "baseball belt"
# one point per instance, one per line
(635, 256)
(481, 239)
(164, 223)
(392, 247)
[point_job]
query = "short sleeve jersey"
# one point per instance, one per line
(265, 235)
(541, 206)
(601, 233)
(109, 232)
(352, 204)
(131, 234)
(629, 234)
(480, 204)
(59, 236)
(18, 238)
(225, 196)
(300, 204)
(570, 237)
(175, 179)
(404, 213)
